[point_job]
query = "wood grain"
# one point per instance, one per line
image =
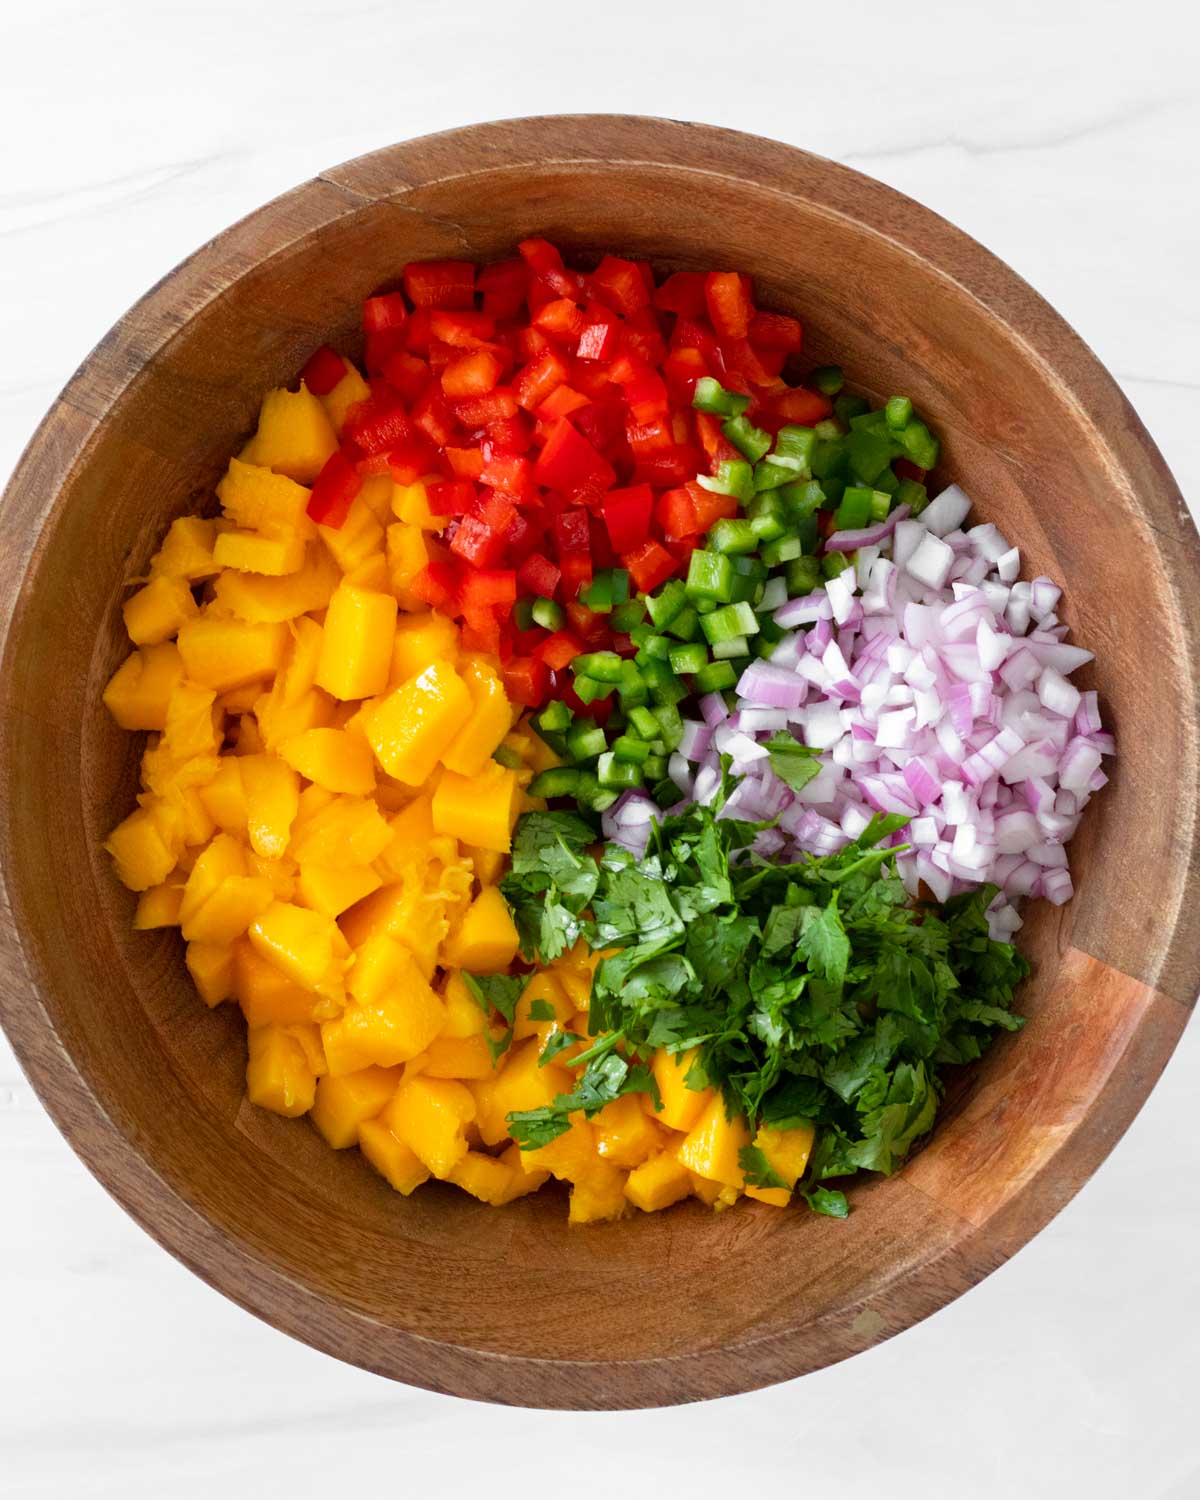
(513, 1306)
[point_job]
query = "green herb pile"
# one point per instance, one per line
(815, 992)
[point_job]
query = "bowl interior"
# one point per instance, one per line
(689, 1303)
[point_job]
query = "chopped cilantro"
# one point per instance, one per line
(793, 762)
(757, 1170)
(541, 1010)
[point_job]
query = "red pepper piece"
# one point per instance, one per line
(714, 442)
(560, 403)
(504, 286)
(600, 339)
(411, 459)
(602, 423)
(727, 295)
(538, 575)
(407, 373)
(515, 433)
(324, 370)
(383, 313)
(510, 473)
(560, 320)
(544, 260)
(695, 333)
(559, 650)
(478, 411)
(440, 283)
(905, 469)
(437, 585)
(334, 490)
(489, 587)
(570, 464)
(463, 329)
(591, 628)
(681, 370)
(472, 374)
(537, 380)
(682, 292)
(801, 406)
(760, 370)
(374, 428)
(476, 543)
(526, 681)
(641, 336)
(675, 513)
(432, 414)
(618, 284)
(416, 331)
(646, 394)
(467, 463)
(770, 330)
(452, 497)
(649, 565)
(626, 516)
(373, 464)
(710, 508)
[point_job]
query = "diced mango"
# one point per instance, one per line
(430, 1115)
(658, 1182)
(410, 504)
(598, 1195)
(359, 538)
(142, 857)
(224, 796)
(520, 1084)
(421, 639)
(625, 1133)
(140, 689)
(265, 993)
(294, 436)
(491, 716)
(479, 809)
(393, 1016)
(344, 833)
(156, 612)
(570, 1156)
(230, 909)
(524, 1179)
(261, 600)
(787, 1151)
(279, 721)
(158, 907)
(335, 891)
(257, 499)
(459, 1057)
(344, 1104)
(681, 1106)
(485, 941)
(485, 1177)
(712, 1145)
(411, 727)
(487, 864)
(223, 654)
(211, 968)
(224, 859)
(278, 1074)
(464, 1014)
(348, 392)
(408, 550)
(250, 552)
(187, 550)
(305, 945)
(391, 1158)
(279, 873)
(356, 652)
(272, 800)
(338, 759)
(376, 494)
(543, 989)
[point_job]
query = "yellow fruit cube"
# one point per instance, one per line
(421, 639)
(519, 1084)
(156, 612)
(712, 1145)
(338, 759)
(305, 945)
(430, 1116)
(262, 600)
(348, 392)
(484, 1177)
(335, 891)
(357, 540)
(658, 1182)
(625, 1133)
(272, 801)
(393, 1016)
(279, 873)
(344, 1104)
(158, 907)
(681, 1106)
(480, 809)
(257, 499)
(487, 864)
(376, 494)
(224, 859)
(408, 550)
(464, 1015)
(230, 909)
(787, 1151)
(187, 549)
(491, 716)
(391, 1158)
(211, 968)
(524, 1179)
(294, 435)
(278, 1074)
(140, 689)
(410, 504)
(265, 994)
(485, 941)
(224, 797)
(570, 1156)
(598, 1195)
(543, 989)
(223, 654)
(343, 833)
(459, 1057)
(142, 856)
(411, 727)
(356, 651)
(251, 552)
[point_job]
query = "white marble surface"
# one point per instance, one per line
(1063, 137)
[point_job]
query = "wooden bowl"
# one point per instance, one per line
(511, 1305)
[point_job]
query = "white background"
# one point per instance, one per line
(1064, 137)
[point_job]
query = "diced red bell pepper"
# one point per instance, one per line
(710, 508)
(437, 585)
(649, 565)
(641, 336)
(476, 543)
(378, 348)
(770, 330)
(432, 414)
(487, 588)
(407, 373)
(695, 333)
(627, 515)
(526, 681)
(440, 283)
(481, 631)
(730, 308)
(538, 575)
(530, 342)
(465, 329)
(498, 511)
(504, 286)
(646, 394)
(619, 285)
(510, 473)
(682, 292)
(536, 381)
(478, 411)
(334, 490)
(905, 469)
(560, 320)
(560, 403)
(759, 369)
(544, 260)
(467, 463)
(600, 339)
(602, 423)
(675, 513)
(472, 374)
(417, 332)
(411, 459)
(385, 312)
(714, 442)
(591, 628)
(324, 370)
(559, 650)
(513, 433)
(571, 465)
(681, 370)
(373, 428)
(646, 438)
(373, 464)
(452, 497)
(801, 406)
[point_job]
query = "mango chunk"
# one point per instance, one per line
(356, 651)
(278, 1074)
(712, 1145)
(265, 993)
(625, 1133)
(211, 968)
(223, 654)
(140, 689)
(250, 552)
(598, 1195)
(141, 855)
(338, 759)
(294, 436)
(787, 1151)
(304, 945)
(485, 1177)
(430, 1116)
(357, 540)
(187, 550)
(518, 1085)
(158, 907)
(334, 891)
(262, 600)
(465, 1057)
(420, 640)
(490, 719)
(397, 1163)
(348, 392)
(480, 809)
(344, 833)
(229, 911)
(156, 612)
(257, 499)
(681, 1106)
(486, 940)
(660, 1181)
(272, 801)
(410, 504)
(410, 728)
(344, 1104)
(393, 1015)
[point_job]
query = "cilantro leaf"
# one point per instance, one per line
(558, 1042)
(757, 1170)
(531, 1128)
(541, 1010)
(792, 762)
(496, 992)
(828, 1201)
(823, 941)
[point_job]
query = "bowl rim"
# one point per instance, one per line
(60, 444)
